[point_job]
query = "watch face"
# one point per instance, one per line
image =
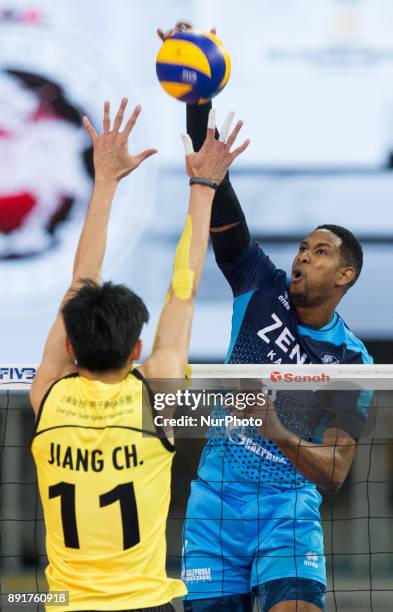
(48, 81)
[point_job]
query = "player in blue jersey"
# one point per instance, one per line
(253, 523)
(253, 526)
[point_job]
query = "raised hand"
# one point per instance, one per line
(214, 158)
(112, 161)
(181, 26)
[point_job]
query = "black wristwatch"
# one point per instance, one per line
(201, 180)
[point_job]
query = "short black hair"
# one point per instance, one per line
(103, 322)
(351, 249)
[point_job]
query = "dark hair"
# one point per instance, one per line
(103, 322)
(351, 249)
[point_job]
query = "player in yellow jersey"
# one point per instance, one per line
(105, 486)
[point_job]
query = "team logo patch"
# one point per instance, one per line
(329, 358)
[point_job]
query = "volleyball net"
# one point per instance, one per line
(357, 520)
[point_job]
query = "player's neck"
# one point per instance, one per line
(317, 316)
(110, 378)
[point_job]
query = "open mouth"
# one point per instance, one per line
(297, 275)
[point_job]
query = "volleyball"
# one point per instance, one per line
(193, 66)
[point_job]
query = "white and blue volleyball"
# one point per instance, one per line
(193, 66)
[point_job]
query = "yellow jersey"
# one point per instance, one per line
(104, 477)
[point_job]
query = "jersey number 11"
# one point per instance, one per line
(123, 493)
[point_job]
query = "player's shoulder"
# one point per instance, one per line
(55, 389)
(352, 342)
(60, 384)
(253, 258)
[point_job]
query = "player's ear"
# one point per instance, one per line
(69, 349)
(136, 351)
(345, 277)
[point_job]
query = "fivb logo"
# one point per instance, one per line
(288, 377)
(13, 375)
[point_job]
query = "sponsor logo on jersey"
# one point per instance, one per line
(284, 300)
(285, 342)
(254, 447)
(197, 574)
(311, 560)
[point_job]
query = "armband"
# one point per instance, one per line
(201, 180)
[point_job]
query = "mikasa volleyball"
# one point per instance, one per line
(193, 66)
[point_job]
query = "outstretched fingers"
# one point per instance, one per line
(106, 121)
(187, 143)
(211, 125)
(181, 26)
(119, 115)
(89, 128)
(144, 155)
(233, 135)
(226, 127)
(132, 121)
(240, 149)
(231, 140)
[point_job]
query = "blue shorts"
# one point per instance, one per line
(234, 543)
(268, 596)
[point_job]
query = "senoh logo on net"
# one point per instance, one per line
(289, 377)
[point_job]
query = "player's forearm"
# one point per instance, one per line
(321, 464)
(174, 327)
(325, 464)
(200, 208)
(91, 247)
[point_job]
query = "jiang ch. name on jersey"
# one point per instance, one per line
(121, 457)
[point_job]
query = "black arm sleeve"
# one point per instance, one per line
(226, 206)
(229, 244)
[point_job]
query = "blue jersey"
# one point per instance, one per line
(265, 329)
